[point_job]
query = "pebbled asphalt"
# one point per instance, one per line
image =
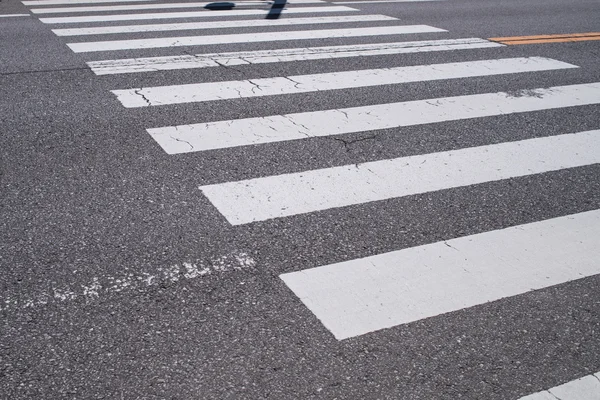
(86, 194)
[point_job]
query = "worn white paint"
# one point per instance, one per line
(156, 6)
(189, 14)
(112, 45)
(285, 195)
(359, 296)
(13, 15)
(149, 64)
(105, 285)
(278, 128)
(199, 92)
(586, 388)
(103, 30)
(58, 2)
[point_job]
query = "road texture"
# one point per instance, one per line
(121, 277)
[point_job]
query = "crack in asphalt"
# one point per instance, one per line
(348, 143)
(138, 92)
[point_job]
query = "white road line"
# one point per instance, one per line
(279, 128)
(155, 6)
(103, 30)
(58, 2)
(356, 297)
(381, 1)
(112, 45)
(586, 388)
(13, 15)
(189, 14)
(132, 65)
(199, 92)
(304, 192)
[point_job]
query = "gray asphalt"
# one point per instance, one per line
(86, 195)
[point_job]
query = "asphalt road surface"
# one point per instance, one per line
(302, 200)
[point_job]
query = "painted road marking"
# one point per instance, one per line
(279, 128)
(561, 38)
(112, 45)
(304, 192)
(190, 14)
(586, 388)
(155, 6)
(132, 65)
(103, 30)
(199, 92)
(58, 2)
(359, 296)
(381, 1)
(102, 286)
(13, 15)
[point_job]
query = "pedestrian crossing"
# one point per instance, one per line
(200, 92)
(153, 6)
(205, 60)
(107, 30)
(189, 14)
(357, 297)
(330, 123)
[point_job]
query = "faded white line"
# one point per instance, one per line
(138, 7)
(112, 45)
(586, 388)
(189, 14)
(279, 128)
(199, 92)
(13, 15)
(304, 192)
(103, 30)
(58, 2)
(149, 64)
(102, 286)
(356, 297)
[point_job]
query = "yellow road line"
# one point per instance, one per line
(560, 38)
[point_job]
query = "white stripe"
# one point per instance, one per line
(102, 30)
(189, 14)
(356, 297)
(308, 191)
(586, 388)
(199, 92)
(278, 128)
(248, 38)
(13, 15)
(132, 65)
(156, 6)
(57, 2)
(380, 1)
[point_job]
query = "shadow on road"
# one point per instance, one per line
(224, 5)
(276, 9)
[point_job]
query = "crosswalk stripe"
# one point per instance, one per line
(356, 297)
(586, 388)
(285, 195)
(13, 15)
(199, 92)
(154, 6)
(381, 1)
(131, 44)
(132, 65)
(190, 14)
(278, 128)
(103, 30)
(58, 2)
